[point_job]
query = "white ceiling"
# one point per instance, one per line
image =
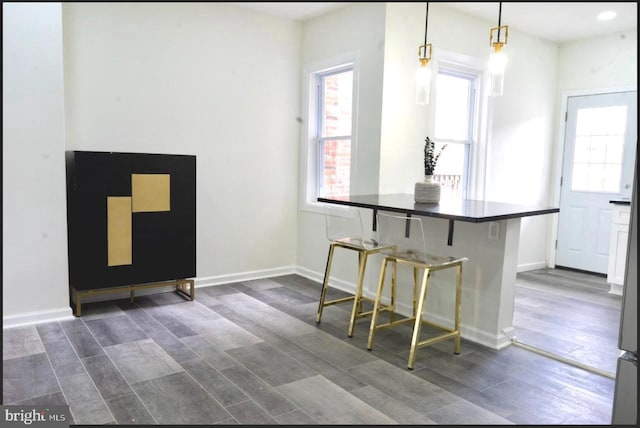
(556, 21)
(293, 10)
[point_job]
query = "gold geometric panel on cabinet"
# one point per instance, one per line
(119, 235)
(150, 192)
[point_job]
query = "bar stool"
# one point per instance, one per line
(344, 230)
(406, 240)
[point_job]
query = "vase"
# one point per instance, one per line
(427, 191)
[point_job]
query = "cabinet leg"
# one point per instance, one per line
(181, 288)
(78, 304)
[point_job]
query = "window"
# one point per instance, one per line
(334, 130)
(455, 125)
(597, 158)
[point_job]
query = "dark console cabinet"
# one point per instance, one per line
(131, 219)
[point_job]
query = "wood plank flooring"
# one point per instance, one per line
(251, 353)
(570, 314)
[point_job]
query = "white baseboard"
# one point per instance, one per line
(346, 286)
(310, 274)
(616, 289)
(526, 267)
(244, 276)
(37, 317)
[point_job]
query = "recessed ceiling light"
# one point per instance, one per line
(605, 16)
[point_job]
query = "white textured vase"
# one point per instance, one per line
(427, 191)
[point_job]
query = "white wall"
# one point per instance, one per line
(205, 79)
(599, 63)
(357, 30)
(34, 228)
(519, 160)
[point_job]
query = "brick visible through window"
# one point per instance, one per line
(336, 90)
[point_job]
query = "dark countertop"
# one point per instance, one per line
(620, 202)
(468, 210)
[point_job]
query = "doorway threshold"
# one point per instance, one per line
(588, 272)
(565, 360)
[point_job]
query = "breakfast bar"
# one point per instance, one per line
(468, 210)
(487, 233)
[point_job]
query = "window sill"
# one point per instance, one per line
(312, 207)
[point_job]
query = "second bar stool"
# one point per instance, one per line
(405, 236)
(344, 230)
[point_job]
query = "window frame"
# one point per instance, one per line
(310, 170)
(476, 152)
(474, 82)
(320, 139)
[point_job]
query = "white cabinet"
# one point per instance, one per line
(618, 247)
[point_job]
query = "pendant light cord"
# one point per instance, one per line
(426, 22)
(499, 20)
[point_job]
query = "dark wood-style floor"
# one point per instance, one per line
(251, 353)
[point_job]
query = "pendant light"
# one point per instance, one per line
(498, 60)
(423, 72)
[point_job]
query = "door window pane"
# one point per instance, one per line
(597, 157)
(615, 147)
(582, 150)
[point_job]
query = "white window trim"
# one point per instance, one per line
(307, 198)
(477, 151)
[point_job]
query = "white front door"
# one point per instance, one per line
(599, 153)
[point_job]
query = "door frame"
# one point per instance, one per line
(559, 157)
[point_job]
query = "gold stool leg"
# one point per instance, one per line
(418, 322)
(394, 282)
(415, 288)
(357, 301)
(361, 255)
(325, 283)
(456, 341)
(376, 304)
